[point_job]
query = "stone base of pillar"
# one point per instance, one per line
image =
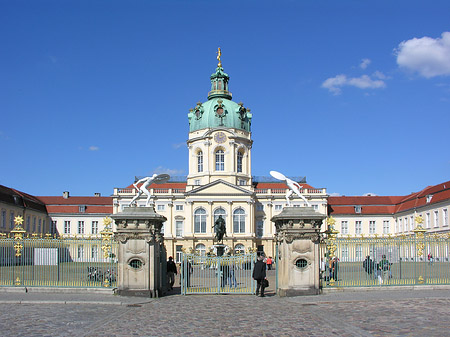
(298, 236)
(141, 254)
(290, 292)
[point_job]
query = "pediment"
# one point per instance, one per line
(219, 187)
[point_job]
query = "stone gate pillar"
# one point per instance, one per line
(141, 252)
(298, 236)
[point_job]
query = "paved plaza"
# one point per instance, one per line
(364, 313)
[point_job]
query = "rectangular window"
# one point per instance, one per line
(345, 253)
(241, 182)
(179, 253)
(66, 227)
(53, 229)
(161, 207)
(80, 227)
(259, 228)
(411, 223)
(82, 208)
(94, 227)
(357, 209)
(372, 227)
(400, 225)
(11, 220)
(220, 160)
(315, 207)
(427, 220)
(34, 224)
(344, 227)
(28, 223)
(3, 218)
(94, 252)
(445, 217)
(80, 252)
(259, 207)
(358, 252)
(240, 157)
(197, 182)
(179, 228)
(385, 226)
(436, 219)
(200, 162)
(358, 227)
(179, 207)
(278, 207)
(40, 226)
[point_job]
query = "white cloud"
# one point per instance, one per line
(335, 194)
(364, 63)
(178, 145)
(93, 148)
(172, 172)
(427, 56)
(334, 84)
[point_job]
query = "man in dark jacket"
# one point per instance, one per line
(259, 273)
(171, 272)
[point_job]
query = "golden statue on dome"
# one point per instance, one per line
(219, 54)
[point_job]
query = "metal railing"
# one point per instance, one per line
(386, 261)
(217, 275)
(37, 261)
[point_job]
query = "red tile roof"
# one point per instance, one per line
(389, 204)
(75, 209)
(76, 200)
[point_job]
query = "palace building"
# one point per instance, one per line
(220, 182)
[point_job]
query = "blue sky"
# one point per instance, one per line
(354, 95)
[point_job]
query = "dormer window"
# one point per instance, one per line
(357, 209)
(429, 197)
(82, 208)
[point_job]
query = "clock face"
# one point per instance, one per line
(220, 137)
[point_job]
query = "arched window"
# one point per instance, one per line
(217, 212)
(239, 221)
(199, 161)
(239, 249)
(200, 249)
(220, 160)
(200, 221)
(240, 157)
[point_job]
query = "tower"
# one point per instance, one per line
(219, 137)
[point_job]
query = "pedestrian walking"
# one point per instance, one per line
(259, 273)
(269, 262)
(171, 272)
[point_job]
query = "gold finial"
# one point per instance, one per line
(219, 54)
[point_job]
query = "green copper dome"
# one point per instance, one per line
(219, 110)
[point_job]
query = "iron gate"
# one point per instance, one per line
(217, 274)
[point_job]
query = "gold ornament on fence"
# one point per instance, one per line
(18, 233)
(106, 234)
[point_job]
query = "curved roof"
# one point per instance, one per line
(219, 110)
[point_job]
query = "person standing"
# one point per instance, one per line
(259, 273)
(269, 263)
(171, 272)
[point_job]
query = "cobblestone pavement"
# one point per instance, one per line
(374, 313)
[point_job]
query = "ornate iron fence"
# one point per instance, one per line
(45, 261)
(418, 259)
(217, 274)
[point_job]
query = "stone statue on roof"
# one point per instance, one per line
(294, 187)
(146, 182)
